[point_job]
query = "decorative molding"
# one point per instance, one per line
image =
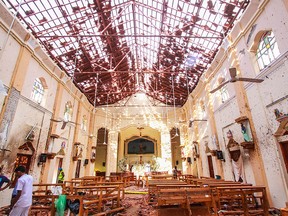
(51, 155)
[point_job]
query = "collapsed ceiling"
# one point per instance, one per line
(113, 49)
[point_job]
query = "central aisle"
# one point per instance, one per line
(137, 205)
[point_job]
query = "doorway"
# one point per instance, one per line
(60, 163)
(210, 165)
(21, 160)
(284, 150)
(77, 172)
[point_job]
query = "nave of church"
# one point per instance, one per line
(145, 107)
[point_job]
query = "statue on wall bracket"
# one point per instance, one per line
(236, 158)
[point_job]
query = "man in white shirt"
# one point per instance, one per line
(23, 200)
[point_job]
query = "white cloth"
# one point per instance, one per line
(56, 190)
(238, 169)
(25, 185)
(19, 211)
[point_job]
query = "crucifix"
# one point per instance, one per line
(140, 128)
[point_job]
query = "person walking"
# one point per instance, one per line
(3, 179)
(175, 172)
(23, 200)
(61, 175)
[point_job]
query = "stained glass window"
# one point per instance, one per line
(38, 91)
(267, 50)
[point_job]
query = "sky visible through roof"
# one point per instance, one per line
(160, 48)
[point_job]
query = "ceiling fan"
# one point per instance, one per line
(234, 78)
(195, 120)
(65, 122)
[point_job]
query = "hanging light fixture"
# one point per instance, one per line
(94, 108)
(176, 134)
(187, 83)
(104, 143)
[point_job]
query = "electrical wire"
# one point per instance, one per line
(104, 143)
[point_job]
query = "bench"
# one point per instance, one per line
(185, 197)
(200, 195)
(242, 200)
(93, 199)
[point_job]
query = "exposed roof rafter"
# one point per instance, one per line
(131, 46)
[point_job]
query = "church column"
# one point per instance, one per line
(111, 161)
(256, 159)
(75, 139)
(92, 140)
(195, 144)
(165, 148)
(15, 87)
(212, 124)
(52, 130)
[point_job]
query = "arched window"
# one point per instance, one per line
(267, 50)
(37, 91)
(224, 95)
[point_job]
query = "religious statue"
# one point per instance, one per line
(207, 149)
(93, 154)
(80, 153)
(244, 132)
(62, 149)
(236, 159)
(195, 150)
(141, 148)
(277, 113)
(76, 150)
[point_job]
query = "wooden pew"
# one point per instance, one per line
(185, 197)
(200, 195)
(247, 200)
(162, 176)
(172, 197)
(120, 184)
(43, 205)
(230, 201)
(69, 185)
(152, 187)
(45, 189)
(92, 199)
(154, 196)
(256, 200)
(95, 196)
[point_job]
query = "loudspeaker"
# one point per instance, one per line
(43, 158)
(219, 155)
(177, 162)
(189, 159)
(86, 161)
(103, 164)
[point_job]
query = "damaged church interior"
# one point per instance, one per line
(141, 107)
